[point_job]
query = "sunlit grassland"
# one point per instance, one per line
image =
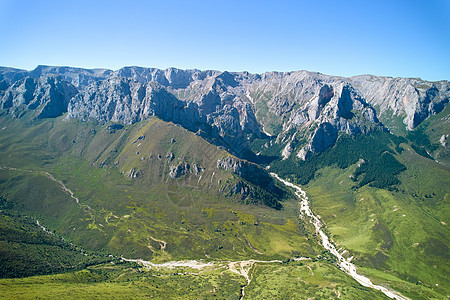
(305, 280)
(130, 216)
(298, 280)
(398, 235)
(401, 233)
(119, 282)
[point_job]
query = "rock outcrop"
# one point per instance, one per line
(254, 182)
(290, 146)
(247, 170)
(303, 111)
(133, 173)
(444, 140)
(179, 170)
(128, 101)
(410, 98)
(48, 96)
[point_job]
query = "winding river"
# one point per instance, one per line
(344, 264)
(245, 266)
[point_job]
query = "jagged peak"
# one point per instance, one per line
(246, 102)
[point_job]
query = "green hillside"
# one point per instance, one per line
(398, 236)
(154, 191)
(384, 199)
(150, 216)
(123, 280)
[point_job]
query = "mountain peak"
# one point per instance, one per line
(232, 108)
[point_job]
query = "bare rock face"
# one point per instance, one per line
(115, 99)
(314, 106)
(76, 76)
(289, 148)
(246, 170)
(179, 170)
(48, 96)
(303, 111)
(10, 75)
(170, 78)
(444, 140)
(412, 99)
(128, 101)
(324, 137)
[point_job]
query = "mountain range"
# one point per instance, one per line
(138, 167)
(230, 108)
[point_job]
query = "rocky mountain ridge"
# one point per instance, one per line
(412, 98)
(48, 95)
(302, 111)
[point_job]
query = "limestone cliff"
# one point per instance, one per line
(46, 96)
(302, 112)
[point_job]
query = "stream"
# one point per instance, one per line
(242, 268)
(246, 266)
(344, 264)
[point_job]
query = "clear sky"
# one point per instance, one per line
(407, 38)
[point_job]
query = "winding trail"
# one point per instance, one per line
(43, 228)
(246, 266)
(162, 243)
(327, 243)
(63, 187)
(52, 178)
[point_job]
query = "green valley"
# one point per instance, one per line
(164, 183)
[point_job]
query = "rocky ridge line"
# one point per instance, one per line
(303, 111)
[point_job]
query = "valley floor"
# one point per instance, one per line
(103, 280)
(261, 280)
(237, 250)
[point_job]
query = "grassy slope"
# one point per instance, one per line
(403, 233)
(305, 280)
(130, 217)
(26, 250)
(269, 281)
(124, 281)
(433, 128)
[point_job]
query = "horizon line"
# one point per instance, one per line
(215, 70)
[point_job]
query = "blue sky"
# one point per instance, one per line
(406, 38)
